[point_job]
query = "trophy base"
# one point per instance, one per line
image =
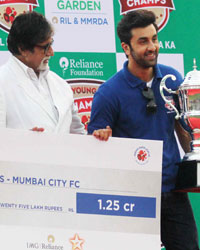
(188, 177)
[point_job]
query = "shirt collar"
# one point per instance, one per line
(29, 71)
(134, 81)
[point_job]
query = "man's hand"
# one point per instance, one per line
(183, 136)
(37, 129)
(103, 134)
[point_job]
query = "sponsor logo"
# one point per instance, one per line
(161, 8)
(81, 20)
(9, 9)
(64, 63)
(81, 68)
(51, 239)
(77, 242)
(55, 20)
(50, 244)
(142, 155)
(70, 11)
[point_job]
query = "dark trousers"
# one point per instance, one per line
(178, 227)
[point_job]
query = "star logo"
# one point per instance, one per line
(76, 242)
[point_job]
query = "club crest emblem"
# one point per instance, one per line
(161, 8)
(9, 9)
(142, 155)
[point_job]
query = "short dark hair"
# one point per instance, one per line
(27, 30)
(134, 19)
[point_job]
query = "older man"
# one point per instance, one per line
(32, 96)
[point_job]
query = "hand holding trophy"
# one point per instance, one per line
(188, 178)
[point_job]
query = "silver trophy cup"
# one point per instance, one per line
(189, 100)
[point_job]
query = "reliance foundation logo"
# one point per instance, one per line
(9, 9)
(161, 8)
(81, 67)
(50, 244)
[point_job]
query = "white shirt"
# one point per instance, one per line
(22, 106)
(40, 84)
(149, 84)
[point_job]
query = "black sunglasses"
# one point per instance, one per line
(45, 47)
(148, 94)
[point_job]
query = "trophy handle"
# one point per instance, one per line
(163, 86)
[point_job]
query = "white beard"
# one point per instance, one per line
(43, 66)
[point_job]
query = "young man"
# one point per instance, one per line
(131, 104)
(32, 96)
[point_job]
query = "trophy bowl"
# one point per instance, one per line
(189, 100)
(188, 176)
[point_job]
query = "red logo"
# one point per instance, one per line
(85, 120)
(161, 8)
(9, 9)
(170, 101)
(142, 155)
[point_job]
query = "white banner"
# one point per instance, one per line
(82, 26)
(75, 192)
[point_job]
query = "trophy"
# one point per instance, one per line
(188, 178)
